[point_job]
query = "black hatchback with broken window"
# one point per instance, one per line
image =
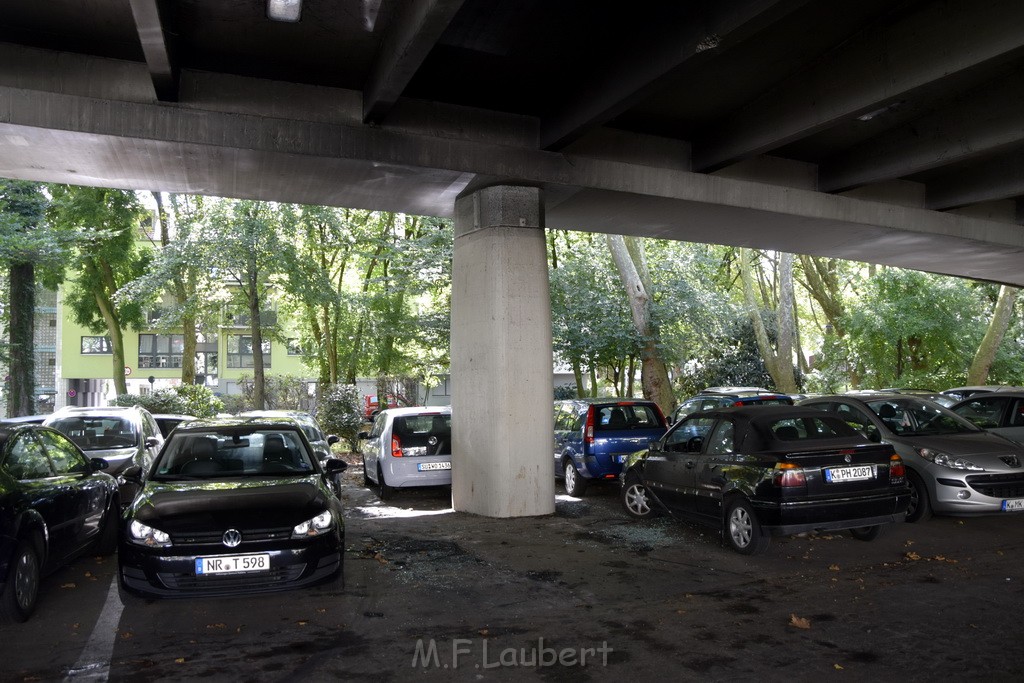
(759, 471)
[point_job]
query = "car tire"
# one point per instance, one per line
(21, 592)
(575, 484)
(636, 499)
(383, 490)
(742, 530)
(367, 482)
(920, 509)
(106, 543)
(868, 533)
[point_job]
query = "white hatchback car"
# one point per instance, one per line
(408, 447)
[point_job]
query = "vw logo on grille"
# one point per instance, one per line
(848, 458)
(232, 537)
(432, 440)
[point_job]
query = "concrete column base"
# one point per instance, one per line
(501, 362)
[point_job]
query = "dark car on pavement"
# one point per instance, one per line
(721, 397)
(953, 466)
(123, 436)
(55, 503)
(758, 471)
(232, 506)
(1000, 412)
(320, 442)
(594, 436)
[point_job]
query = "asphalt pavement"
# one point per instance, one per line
(586, 594)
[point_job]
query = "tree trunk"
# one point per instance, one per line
(628, 256)
(577, 373)
(22, 281)
(997, 326)
(256, 330)
(779, 363)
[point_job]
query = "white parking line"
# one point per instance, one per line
(94, 662)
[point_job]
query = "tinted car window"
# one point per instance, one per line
(681, 435)
(65, 457)
(794, 429)
(26, 459)
(378, 425)
(721, 438)
(984, 412)
(626, 417)
(97, 433)
(208, 455)
(908, 418)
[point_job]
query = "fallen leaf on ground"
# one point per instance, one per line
(216, 626)
(68, 585)
(833, 567)
(838, 667)
(179, 660)
(484, 632)
(912, 556)
(799, 622)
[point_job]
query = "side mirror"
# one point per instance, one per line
(98, 464)
(332, 439)
(334, 465)
(363, 435)
(133, 474)
(152, 442)
(694, 444)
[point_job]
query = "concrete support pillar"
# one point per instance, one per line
(501, 363)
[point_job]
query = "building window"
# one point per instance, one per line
(240, 351)
(96, 345)
(294, 347)
(442, 388)
(161, 350)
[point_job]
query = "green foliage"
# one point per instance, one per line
(281, 392)
(913, 329)
(564, 392)
(732, 360)
(340, 413)
(184, 399)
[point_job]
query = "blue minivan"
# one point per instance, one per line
(593, 436)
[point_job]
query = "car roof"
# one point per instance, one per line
(609, 400)
(206, 424)
(768, 412)
(419, 410)
(737, 391)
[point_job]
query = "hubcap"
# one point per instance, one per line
(570, 478)
(636, 500)
(740, 527)
(25, 583)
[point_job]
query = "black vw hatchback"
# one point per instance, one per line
(232, 506)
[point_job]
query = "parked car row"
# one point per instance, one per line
(193, 507)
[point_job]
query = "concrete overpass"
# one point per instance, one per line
(875, 130)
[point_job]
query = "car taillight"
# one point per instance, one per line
(396, 447)
(897, 470)
(588, 429)
(789, 474)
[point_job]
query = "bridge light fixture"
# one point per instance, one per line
(284, 10)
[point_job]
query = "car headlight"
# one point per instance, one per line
(320, 524)
(946, 460)
(144, 534)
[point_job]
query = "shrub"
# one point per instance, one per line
(184, 399)
(340, 414)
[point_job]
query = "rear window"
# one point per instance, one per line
(799, 428)
(629, 416)
(95, 433)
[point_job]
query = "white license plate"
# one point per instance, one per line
(232, 564)
(856, 473)
(1013, 504)
(431, 466)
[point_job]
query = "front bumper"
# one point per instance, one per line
(170, 572)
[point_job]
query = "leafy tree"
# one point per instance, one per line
(103, 225)
(340, 413)
(914, 329)
(24, 245)
(994, 334)
(774, 293)
(183, 399)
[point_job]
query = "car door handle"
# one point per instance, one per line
(690, 464)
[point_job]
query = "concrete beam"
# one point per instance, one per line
(879, 67)
(410, 37)
(1002, 178)
(983, 122)
(606, 93)
(153, 38)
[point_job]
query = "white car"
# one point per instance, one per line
(408, 447)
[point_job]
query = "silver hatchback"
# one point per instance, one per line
(953, 467)
(408, 447)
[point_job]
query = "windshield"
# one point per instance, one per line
(95, 433)
(233, 453)
(911, 417)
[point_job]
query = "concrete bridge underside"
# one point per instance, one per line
(875, 131)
